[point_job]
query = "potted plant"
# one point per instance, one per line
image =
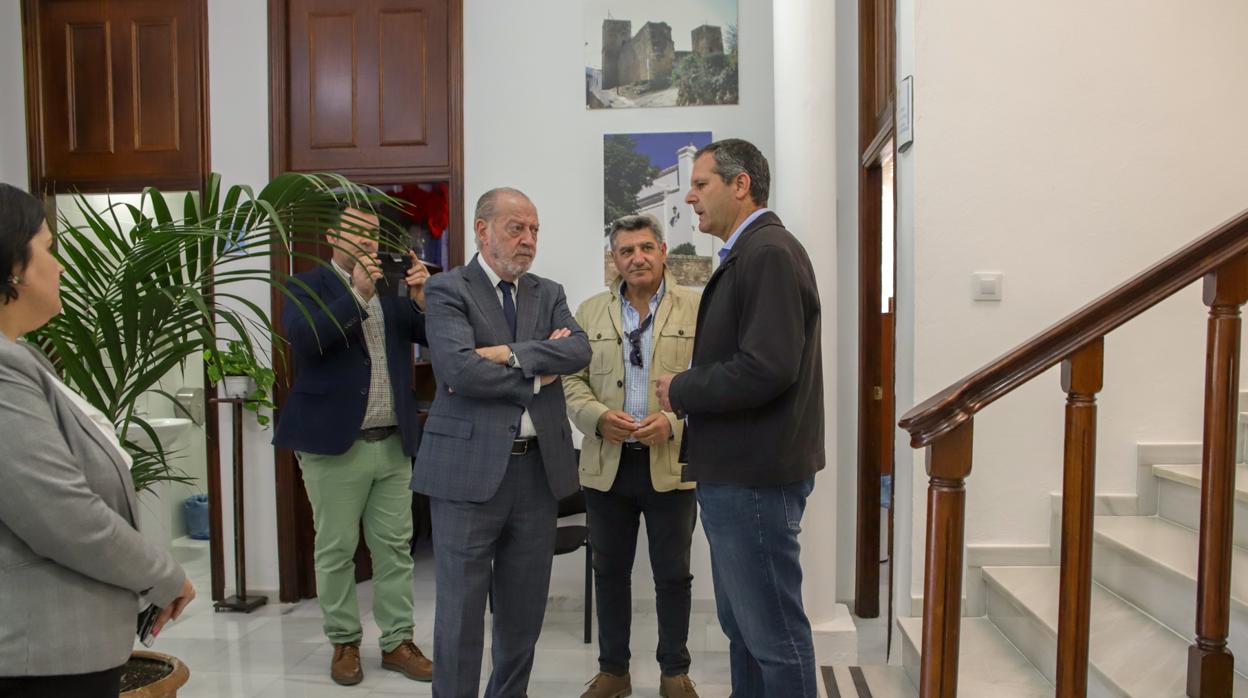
(150, 674)
(241, 375)
(143, 291)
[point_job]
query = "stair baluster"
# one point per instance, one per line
(948, 465)
(1082, 379)
(1209, 661)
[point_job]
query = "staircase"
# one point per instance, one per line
(1146, 561)
(1143, 604)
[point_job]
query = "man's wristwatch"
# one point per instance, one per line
(512, 361)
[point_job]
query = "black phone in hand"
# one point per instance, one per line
(394, 268)
(147, 623)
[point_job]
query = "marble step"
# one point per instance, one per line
(1151, 563)
(1178, 497)
(988, 665)
(1131, 654)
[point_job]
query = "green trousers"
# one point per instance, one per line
(368, 483)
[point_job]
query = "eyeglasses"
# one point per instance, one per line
(634, 338)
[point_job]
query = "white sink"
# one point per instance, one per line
(169, 430)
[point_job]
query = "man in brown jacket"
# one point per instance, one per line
(640, 327)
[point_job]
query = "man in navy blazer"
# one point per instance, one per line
(351, 420)
(497, 451)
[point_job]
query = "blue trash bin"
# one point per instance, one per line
(195, 513)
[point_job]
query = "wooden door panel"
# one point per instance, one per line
(369, 87)
(154, 50)
(402, 82)
(331, 81)
(117, 93)
(88, 93)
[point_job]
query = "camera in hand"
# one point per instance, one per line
(394, 267)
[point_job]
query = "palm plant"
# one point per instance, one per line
(143, 292)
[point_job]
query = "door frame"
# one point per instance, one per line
(296, 572)
(876, 87)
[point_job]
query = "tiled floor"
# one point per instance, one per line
(280, 650)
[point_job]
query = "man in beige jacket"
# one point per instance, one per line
(641, 327)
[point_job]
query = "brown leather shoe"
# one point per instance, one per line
(677, 687)
(345, 668)
(407, 660)
(606, 685)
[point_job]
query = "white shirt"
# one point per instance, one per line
(98, 419)
(526, 422)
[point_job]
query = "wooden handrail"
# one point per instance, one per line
(956, 404)
(943, 424)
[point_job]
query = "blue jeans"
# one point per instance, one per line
(757, 570)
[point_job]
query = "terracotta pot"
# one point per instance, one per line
(166, 687)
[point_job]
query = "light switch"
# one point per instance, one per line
(986, 285)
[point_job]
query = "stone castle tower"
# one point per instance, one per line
(708, 39)
(616, 33)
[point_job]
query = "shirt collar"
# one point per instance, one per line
(346, 275)
(654, 300)
(723, 251)
(491, 274)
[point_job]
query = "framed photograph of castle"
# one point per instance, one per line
(649, 173)
(660, 53)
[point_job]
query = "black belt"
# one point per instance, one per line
(519, 447)
(635, 446)
(376, 433)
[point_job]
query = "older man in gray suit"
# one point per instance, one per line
(497, 452)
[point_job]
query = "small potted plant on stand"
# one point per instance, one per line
(242, 376)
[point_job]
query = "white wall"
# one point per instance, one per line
(1068, 145)
(805, 103)
(526, 126)
(238, 75)
(13, 167)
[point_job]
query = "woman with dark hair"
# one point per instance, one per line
(72, 564)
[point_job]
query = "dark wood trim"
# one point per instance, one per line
(873, 153)
(956, 404)
(279, 93)
(870, 374)
(212, 449)
(456, 231)
(285, 464)
(875, 129)
(34, 119)
(1210, 664)
(1082, 379)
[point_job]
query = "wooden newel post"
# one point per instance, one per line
(1210, 665)
(1082, 379)
(948, 465)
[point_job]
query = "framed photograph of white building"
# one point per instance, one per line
(660, 53)
(649, 173)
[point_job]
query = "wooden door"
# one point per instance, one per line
(369, 86)
(370, 89)
(116, 94)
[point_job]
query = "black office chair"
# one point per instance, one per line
(568, 539)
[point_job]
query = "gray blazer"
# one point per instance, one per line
(72, 564)
(473, 420)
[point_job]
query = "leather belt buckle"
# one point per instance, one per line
(635, 446)
(376, 433)
(520, 447)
